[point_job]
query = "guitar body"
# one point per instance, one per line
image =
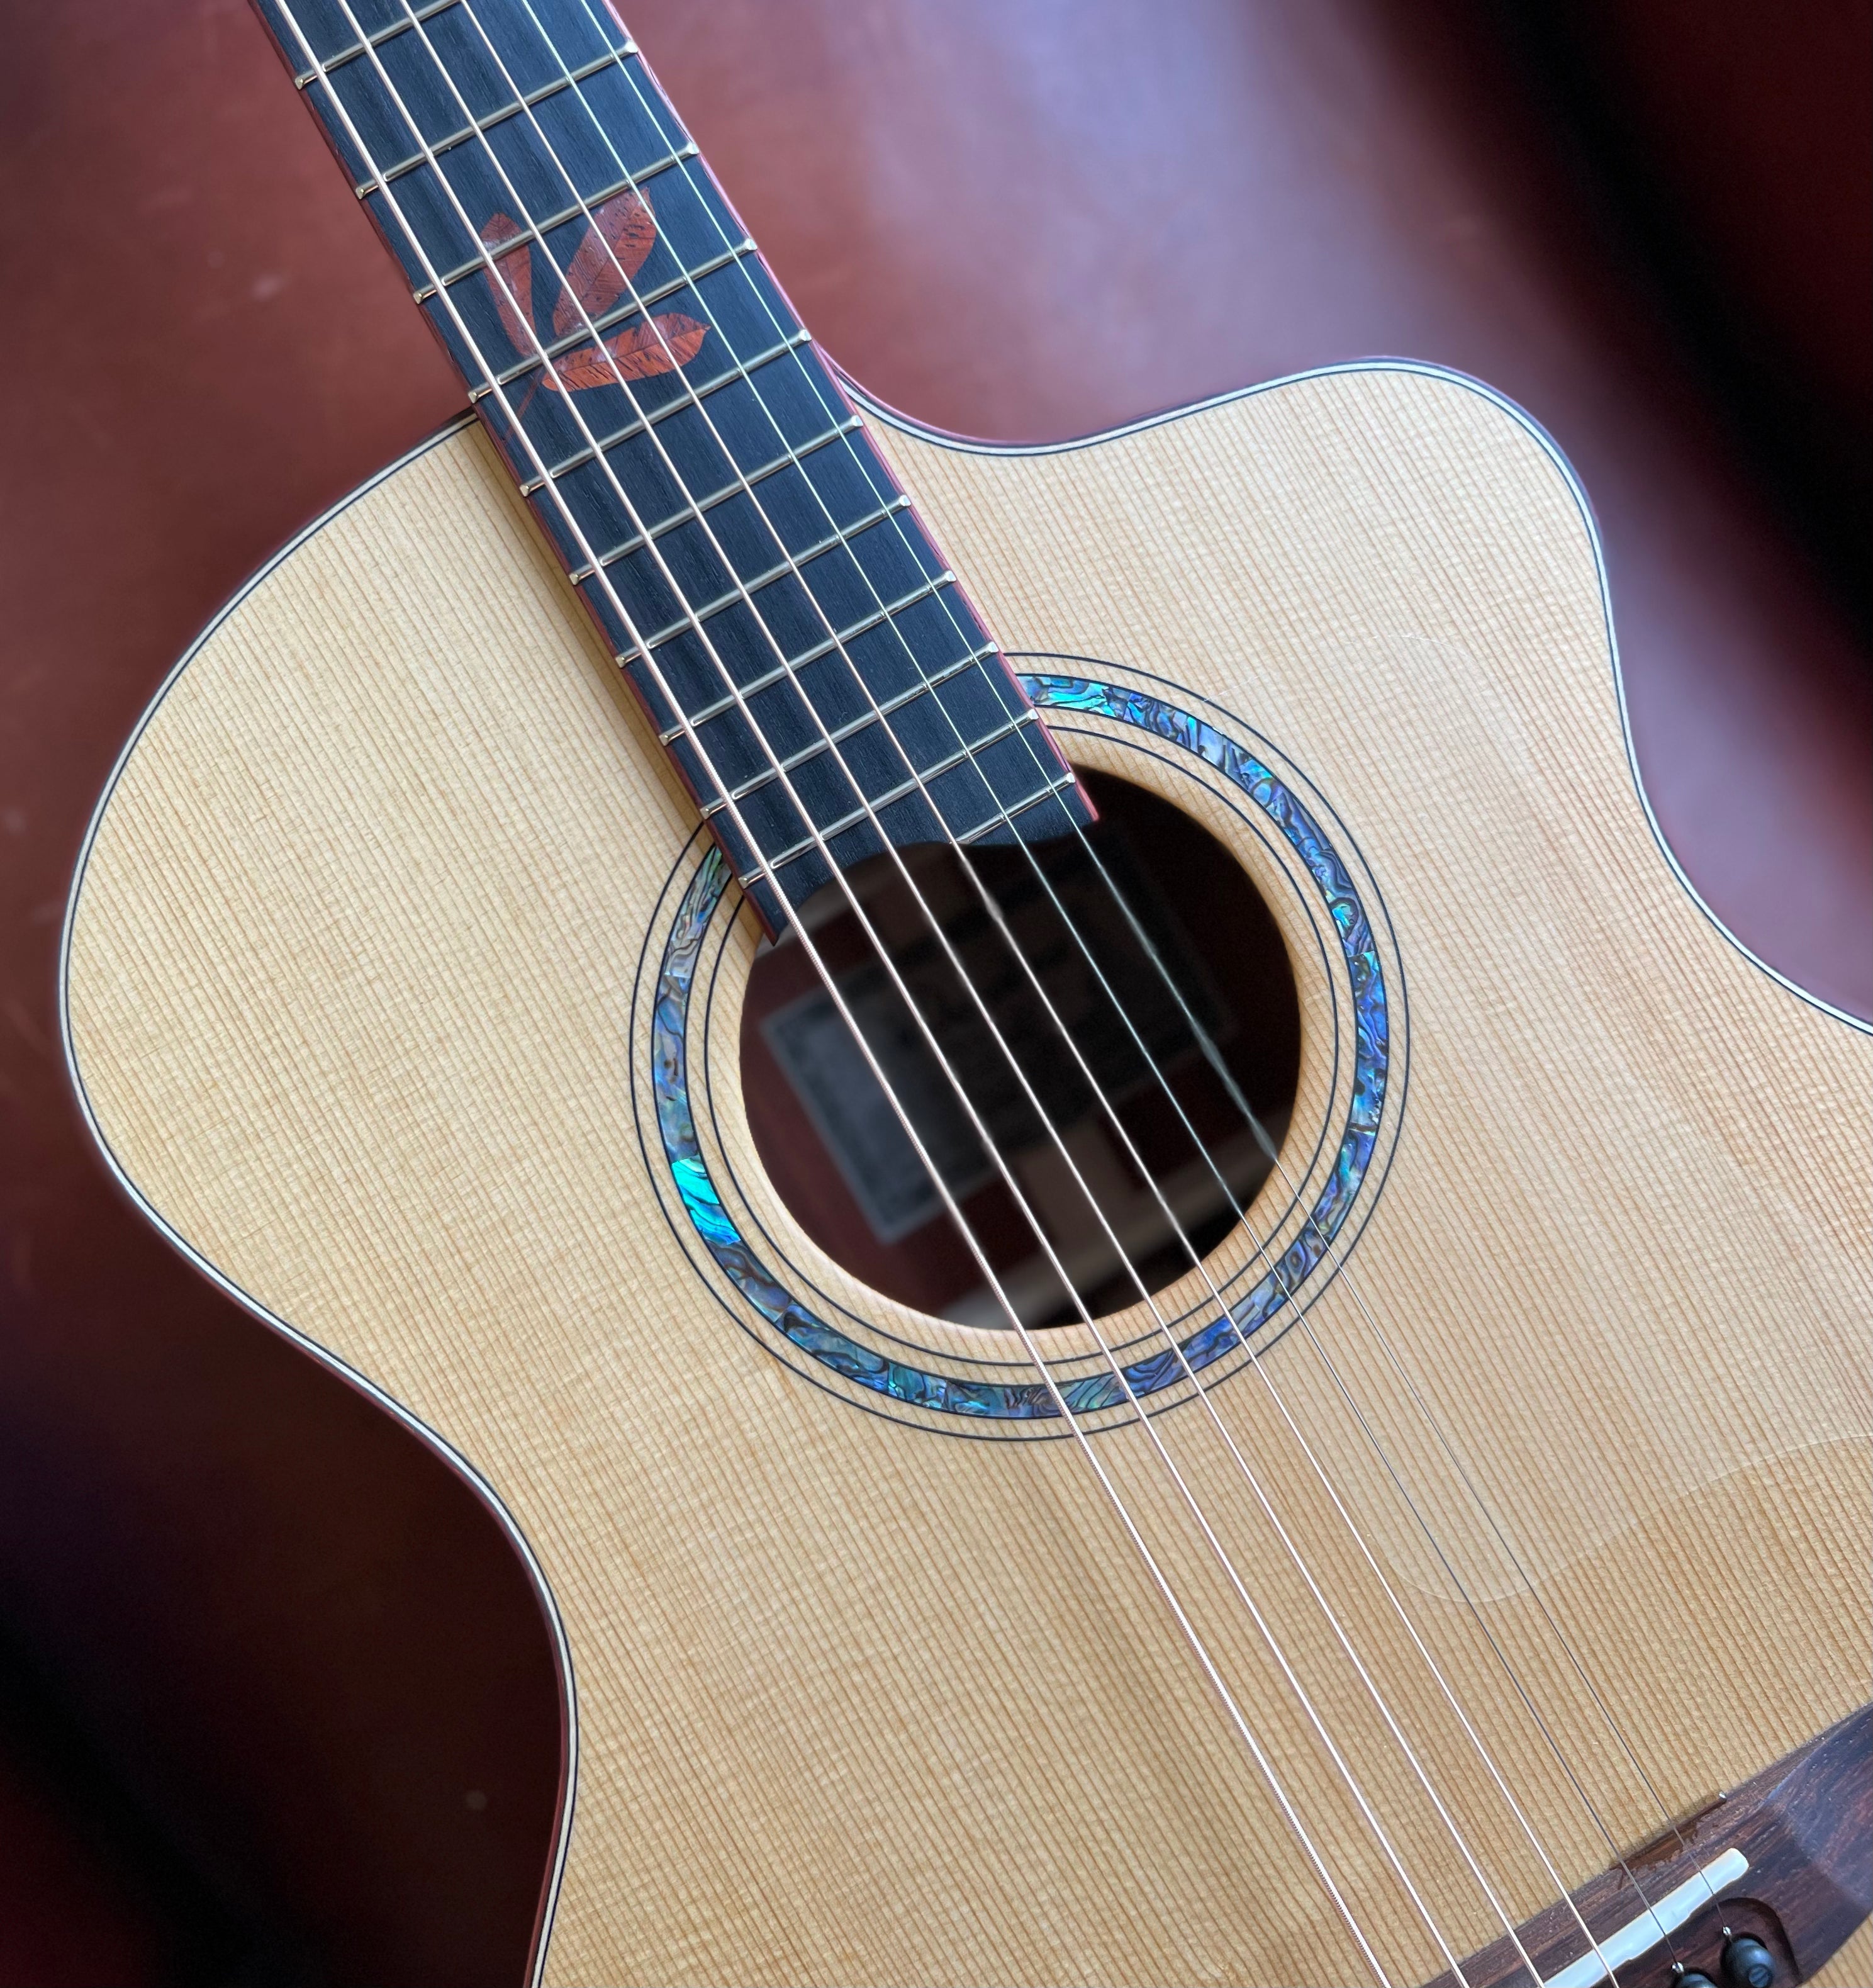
(385, 995)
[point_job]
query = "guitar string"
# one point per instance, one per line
(1189, 1497)
(1469, 1488)
(1264, 1764)
(1091, 1200)
(552, 154)
(621, 494)
(1522, 1692)
(1241, 1462)
(1427, 1416)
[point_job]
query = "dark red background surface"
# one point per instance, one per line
(258, 1649)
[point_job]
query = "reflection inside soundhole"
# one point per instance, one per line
(1176, 1034)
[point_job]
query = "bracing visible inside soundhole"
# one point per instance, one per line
(840, 1159)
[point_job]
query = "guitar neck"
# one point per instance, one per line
(800, 647)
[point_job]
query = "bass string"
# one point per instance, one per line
(1501, 1656)
(1093, 1202)
(1236, 1456)
(1241, 1463)
(1212, 1673)
(1211, 1054)
(1505, 1661)
(1469, 1488)
(1195, 1511)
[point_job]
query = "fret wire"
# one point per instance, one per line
(343, 58)
(806, 754)
(640, 424)
(741, 369)
(491, 383)
(840, 535)
(479, 127)
(538, 231)
(1069, 781)
(941, 675)
(497, 382)
(1620, 1738)
(1486, 1887)
(570, 341)
(850, 633)
(790, 562)
(1000, 818)
(1166, 1593)
(1061, 1405)
(762, 474)
(640, 302)
(742, 591)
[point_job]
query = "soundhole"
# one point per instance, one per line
(1210, 1023)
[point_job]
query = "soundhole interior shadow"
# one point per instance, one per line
(1172, 1033)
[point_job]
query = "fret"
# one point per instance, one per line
(645, 302)
(986, 826)
(428, 92)
(301, 77)
(543, 183)
(535, 233)
(836, 645)
(790, 619)
(734, 404)
(966, 709)
(885, 708)
(481, 127)
(733, 533)
(727, 329)
(745, 582)
(530, 485)
(567, 35)
(964, 750)
(790, 484)
(789, 555)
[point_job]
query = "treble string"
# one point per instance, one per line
(1469, 1488)
(1261, 1135)
(1338, 1630)
(1212, 1672)
(1183, 1487)
(1091, 1200)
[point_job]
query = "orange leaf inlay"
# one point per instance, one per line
(611, 252)
(638, 352)
(513, 274)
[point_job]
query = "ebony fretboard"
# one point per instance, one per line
(751, 562)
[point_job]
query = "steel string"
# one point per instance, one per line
(318, 69)
(1261, 1247)
(1091, 1200)
(746, 486)
(1445, 1442)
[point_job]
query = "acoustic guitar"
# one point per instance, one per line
(1152, 1301)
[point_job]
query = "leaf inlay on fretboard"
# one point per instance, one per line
(619, 237)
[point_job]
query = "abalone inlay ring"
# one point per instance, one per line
(1320, 1233)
